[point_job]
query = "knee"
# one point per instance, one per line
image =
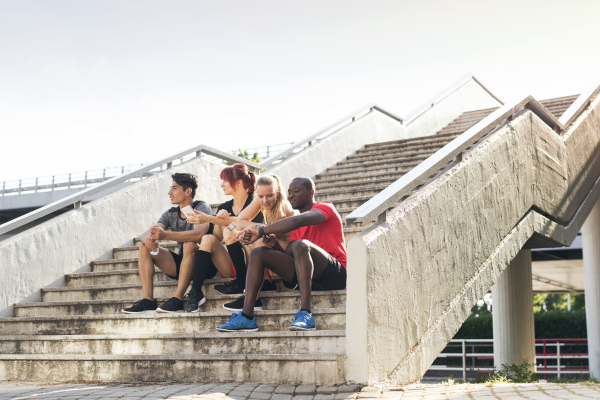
(207, 242)
(190, 248)
(258, 253)
(143, 249)
(300, 246)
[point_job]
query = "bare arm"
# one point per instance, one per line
(195, 235)
(245, 217)
(147, 235)
(312, 217)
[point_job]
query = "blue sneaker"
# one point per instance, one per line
(303, 321)
(239, 323)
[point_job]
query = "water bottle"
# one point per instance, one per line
(154, 252)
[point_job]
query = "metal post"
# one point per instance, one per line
(169, 164)
(52, 182)
(69, 187)
(104, 174)
(268, 151)
(464, 359)
(353, 118)
(85, 180)
(77, 205)
(3, 188)
(199, 153)
(381, 218)
(558, 359)
(545, 363)
(36, 185)
(459, 157)
(122, 169)
(568, 301)
(19, 186)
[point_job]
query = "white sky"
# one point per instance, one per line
(91, 84)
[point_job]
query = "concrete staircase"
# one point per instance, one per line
(354, 181)
(78, 333)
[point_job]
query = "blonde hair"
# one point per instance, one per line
(277, 212)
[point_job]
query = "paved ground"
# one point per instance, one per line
(253, 391)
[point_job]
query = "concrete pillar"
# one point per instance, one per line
(590, 235)
(512, 313)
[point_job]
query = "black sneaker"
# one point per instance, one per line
(229, 288)
(173, 305)
(195, 300)
(142, 306)
(238, 304)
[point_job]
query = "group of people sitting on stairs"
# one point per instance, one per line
(294, 237)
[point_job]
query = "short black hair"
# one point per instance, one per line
(306, 182)
(186, 181)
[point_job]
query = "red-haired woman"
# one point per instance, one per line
(212, 257)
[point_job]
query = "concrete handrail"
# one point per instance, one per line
(445, 93)
(579, 104)
(340, 123)
(376, 208)
(78, 197)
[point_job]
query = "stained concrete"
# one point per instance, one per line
(442, 249)
(42, 255)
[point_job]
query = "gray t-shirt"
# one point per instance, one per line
(172, 219)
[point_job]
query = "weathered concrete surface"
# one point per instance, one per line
(590, 235)
(375, 127)
(512, 297)
(415, 278)
(42, 255)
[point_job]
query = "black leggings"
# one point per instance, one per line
(205, 269)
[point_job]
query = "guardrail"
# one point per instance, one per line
(77, 198)
(376, 208)
(545, 355)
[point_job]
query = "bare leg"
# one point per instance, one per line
(164, 261)
(280, 263)
(186, 269)
(310, 262)
(219, 255)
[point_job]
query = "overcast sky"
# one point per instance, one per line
(91, 84)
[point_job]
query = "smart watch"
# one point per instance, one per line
(261, 230)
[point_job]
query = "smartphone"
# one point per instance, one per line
(188, 211)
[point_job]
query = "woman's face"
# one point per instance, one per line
(266, 196)
(227, 188)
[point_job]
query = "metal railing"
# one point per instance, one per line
(559, 369)
(137, 173)
(376, 208)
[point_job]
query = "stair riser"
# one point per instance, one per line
(289, 371)
(123, 279)
(376, 170)
(234, 345)
(356, 183)
(181, 323)
(394, 154)
(134, 253)
(114, 266)
(160, 291)
(391, 161)
(347, 195)
(269, 303)
(354, 179)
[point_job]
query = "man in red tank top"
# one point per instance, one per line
(314, 260)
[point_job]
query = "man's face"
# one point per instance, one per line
(298, 195)
(177, 194)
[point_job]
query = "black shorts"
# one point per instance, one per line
(334, 278)
(177, 258)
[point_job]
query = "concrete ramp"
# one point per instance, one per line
(520, 178)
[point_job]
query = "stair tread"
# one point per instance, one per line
(190, 357)
(203, 335)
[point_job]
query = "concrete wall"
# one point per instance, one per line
(41, 256)
(375, 127)
(415, 278)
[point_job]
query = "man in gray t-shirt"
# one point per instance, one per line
(179, 266)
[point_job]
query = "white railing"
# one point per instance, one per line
(376, 208)
(137, 173)
(545, 369)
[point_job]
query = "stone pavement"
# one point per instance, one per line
(255, 391)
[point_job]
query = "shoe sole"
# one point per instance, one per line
(226, 294)
(138, 312)
(197, 310)
(296, 328)
(237, 330)
(240, 309)
(160, 310)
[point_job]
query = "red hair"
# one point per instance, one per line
(239, 172)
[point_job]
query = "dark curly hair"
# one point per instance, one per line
(186, 181)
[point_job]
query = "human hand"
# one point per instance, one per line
(158, 233)
(199, 218)
(248, 235)
(270, 240)
(223, 214)
(150, 243)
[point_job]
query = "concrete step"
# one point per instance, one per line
(392, 161)
(401, 149)
(277, 342)
(121, 253)
(109, 266)
(151, 323)
(357, 178)
(113, 277)
(118, 291)
(349, 192)
(319, 369)
(366, 181)
(377, 169)
(400, 143)
(271, 301)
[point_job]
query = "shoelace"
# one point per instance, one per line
(305, 316)
(233, 316)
